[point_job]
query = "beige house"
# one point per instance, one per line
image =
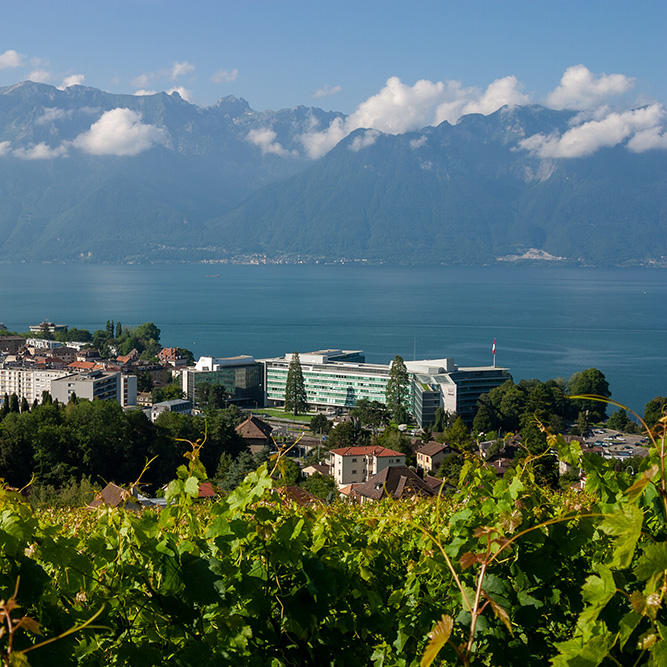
(355, 465)
(430, 455)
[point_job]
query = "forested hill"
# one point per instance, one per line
(91, 176)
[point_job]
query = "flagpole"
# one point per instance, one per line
(493, 352)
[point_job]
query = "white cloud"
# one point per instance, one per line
(326, 91)
(183, 92)
(368, 138)
(612, 130)
(119, 132)
(10, 59)
(399, 108)
(72, 80)
(142, 80)
(265, 138)
(51, 114)
(179, 69)
(500, 93)
(145, 92)
(40, 76)
(418, 143)
(645, 140)
(581, 89)
(4, 147)
(40, 152)
(225, 76)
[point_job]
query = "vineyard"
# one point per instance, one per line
(500, 572)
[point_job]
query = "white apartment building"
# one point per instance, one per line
(28, 383)
(355, 465)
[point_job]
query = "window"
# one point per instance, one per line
(354, 460)
(354, 472)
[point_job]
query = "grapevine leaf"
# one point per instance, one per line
(585, 651)
(192, 487)
(625, 525)
(627, 626)
(597, 591)
(658, 654)
(469, 559)
(500, 612)
(637, 489)
(18, 659)
(438, 637)
(652, 562)
(569, 452)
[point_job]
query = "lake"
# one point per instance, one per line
(547, 321)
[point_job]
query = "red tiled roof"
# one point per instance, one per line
(377, 451)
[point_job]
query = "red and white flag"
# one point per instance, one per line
(493, 349)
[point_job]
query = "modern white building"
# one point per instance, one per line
(340, 378)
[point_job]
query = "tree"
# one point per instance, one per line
(619, 421)
(655, 409)
(591, 382)
(392, 438)
(398, 390)
(320, 486)
(295, 389)
(320, 425)
(458, 435)
(144, 382)
(371, 413)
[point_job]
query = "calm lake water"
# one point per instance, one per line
(547, 321)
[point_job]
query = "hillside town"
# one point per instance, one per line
(439, 405)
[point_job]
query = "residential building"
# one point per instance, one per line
(11, 344)
(28, 381)
(256, 433)
(431, 455)
(93, 385)
(179, 405)
(355, 465)
(393, 482)
(42, 344)
(240, 376)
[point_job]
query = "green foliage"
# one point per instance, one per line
(501, 572)
(169, 392)
(590, 382)
(398, 390)
(655, 410)
(320, 425)
(295, 389)
(371, 414)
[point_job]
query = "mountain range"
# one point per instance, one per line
(87, 175)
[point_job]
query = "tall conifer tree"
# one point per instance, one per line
(295, 389)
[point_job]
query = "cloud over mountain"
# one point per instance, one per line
(119, 132)
(579, 88)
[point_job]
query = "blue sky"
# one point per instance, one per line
(279, 54)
